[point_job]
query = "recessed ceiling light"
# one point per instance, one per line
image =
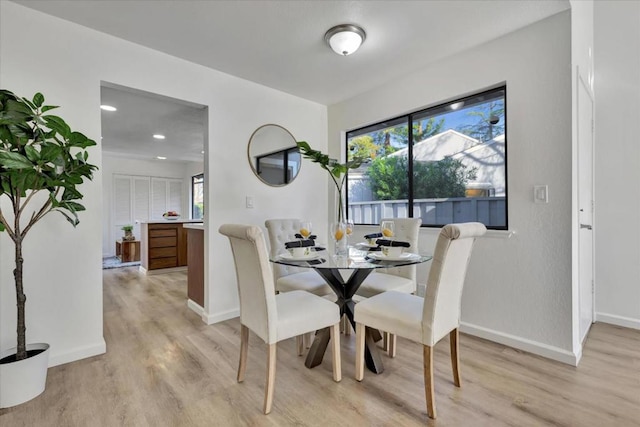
(202, 152)
(108, 108)
(457, 105)
(161, 158)
(158, 136)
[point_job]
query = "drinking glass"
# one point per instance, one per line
(305, 229)
(349, 227)
(387, 229)
(339, 234)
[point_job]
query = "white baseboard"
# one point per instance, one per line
(194, 306)
(210, 319)
(544, 350)
(162, 270)
(627, 322)
(78, 353)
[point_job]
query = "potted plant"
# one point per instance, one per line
(128, 232)
(42, 163)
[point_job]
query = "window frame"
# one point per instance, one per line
(408, 119)
(193, 192)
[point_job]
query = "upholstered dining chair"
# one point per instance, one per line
(425, 320)
(401, 279)
(288, 278)
(273, 317)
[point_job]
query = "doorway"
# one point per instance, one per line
(152, 146)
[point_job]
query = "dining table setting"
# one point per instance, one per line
(344, 270)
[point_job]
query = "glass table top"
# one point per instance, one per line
(357, 258)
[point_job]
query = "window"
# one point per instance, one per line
(197, 196)
(454, 169)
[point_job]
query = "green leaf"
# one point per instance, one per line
(38, 99)
(58, 124)
(48, 107)
(13, 160)
(32, 153)
(1, 227)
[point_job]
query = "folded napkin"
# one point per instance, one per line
(299, 244)
(385, 242)
(311, 237)
(373, 235)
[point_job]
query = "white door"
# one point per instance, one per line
(585, 205)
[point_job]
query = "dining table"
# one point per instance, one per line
(344, 274)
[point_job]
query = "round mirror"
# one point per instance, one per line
(274, 155)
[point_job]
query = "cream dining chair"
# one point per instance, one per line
(425, 320)
(401, 279)
(288, 278)
(273, 317)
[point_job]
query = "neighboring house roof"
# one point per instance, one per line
(439, 146)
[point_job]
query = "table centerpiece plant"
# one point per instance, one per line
(338, 173)
(42, 163)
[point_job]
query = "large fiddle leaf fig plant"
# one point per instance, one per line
(42, 163)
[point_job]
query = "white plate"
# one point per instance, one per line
(287, 256)
(402, 257)
(365, 245)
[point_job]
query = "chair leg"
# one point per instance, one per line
(360, 330)
(455, 359)
(391, 342)
(428, 380)
(385, 341)
(347, 325)
(335, 352)
(300, 344)
(244, 344)
(307, 339)
(271, 377)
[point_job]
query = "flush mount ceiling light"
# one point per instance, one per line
(345, 39)
(108, 108)
(158, 136)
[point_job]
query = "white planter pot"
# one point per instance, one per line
(25, 379)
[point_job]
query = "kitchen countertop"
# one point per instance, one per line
(170, 221)
(194, 226)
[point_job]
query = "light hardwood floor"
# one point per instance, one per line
(165, 367)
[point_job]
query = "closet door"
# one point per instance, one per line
(141, 202)
(158, 197)
(166, 195)
(122, 193)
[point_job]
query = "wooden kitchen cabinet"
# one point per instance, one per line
(164, 245)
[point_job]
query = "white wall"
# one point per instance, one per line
(617, 162)
(63, 271)
(119, 165)
(519, 288)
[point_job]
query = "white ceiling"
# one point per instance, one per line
(140, 115)
(280, 44)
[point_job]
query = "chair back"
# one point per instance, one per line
(282, 231)
(406, 230)
(441, 312)
(255, 280)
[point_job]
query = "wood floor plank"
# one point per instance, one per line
(165, 367)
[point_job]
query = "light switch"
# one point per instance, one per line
(541, 194)
(249, 202)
